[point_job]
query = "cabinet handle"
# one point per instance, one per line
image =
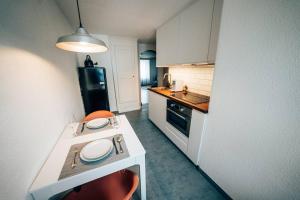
(176, 114)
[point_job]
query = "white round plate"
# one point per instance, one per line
(97, 123)
(97, 159)
(96, 150)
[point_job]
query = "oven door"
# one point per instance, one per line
(180, 122)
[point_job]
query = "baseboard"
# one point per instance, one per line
(129, 107)
(224, 194)
(210, 180)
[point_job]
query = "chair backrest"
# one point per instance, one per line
(98, 114)
(134, 184)
(116, 186)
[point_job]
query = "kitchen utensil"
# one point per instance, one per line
(114, 142)
(82, 128)
(119, 140)
(74, 160)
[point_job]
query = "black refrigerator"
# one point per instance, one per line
(93, 86)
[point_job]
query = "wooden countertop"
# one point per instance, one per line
(202, 107)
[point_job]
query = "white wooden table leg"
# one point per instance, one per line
(44, 195)
(143, 177)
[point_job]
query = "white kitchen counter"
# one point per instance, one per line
(46, 184)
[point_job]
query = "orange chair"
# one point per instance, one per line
(117, 186)
(98, 114)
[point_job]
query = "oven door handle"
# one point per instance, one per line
(176, 114)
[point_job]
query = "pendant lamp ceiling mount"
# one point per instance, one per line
(81, 40)
(79, 17)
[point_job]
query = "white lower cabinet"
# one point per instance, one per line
(196, 131)
(157, 114)
(188, 145)
(157, 110)
(180, 140)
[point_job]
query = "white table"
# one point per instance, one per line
(46, 184)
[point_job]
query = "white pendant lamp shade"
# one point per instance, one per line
(81, 41)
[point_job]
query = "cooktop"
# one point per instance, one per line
(191, 97)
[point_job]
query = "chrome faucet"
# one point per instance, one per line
(169, 79)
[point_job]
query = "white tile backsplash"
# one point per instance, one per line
(198, 80)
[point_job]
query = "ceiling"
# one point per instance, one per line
(134, 18)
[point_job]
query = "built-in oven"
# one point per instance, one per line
(179, 116)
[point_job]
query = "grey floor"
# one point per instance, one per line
(170, 175)
(144, 94)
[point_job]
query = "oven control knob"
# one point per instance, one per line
(181, 109)
(172, 105)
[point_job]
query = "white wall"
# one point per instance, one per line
(104, 60)
(252, 144)
(39, 91)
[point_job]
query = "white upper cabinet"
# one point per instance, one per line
(215, 28)
(186, 39)
(166, 47)
(194, 32)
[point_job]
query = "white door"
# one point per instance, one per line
(126, 77)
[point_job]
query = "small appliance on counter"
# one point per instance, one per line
(88, 62)
(177, 85)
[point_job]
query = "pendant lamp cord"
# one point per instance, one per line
(80, 24)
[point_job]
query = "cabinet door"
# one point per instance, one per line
(167, 43)
(215, 28)
(196, 131)
(157, 110)
(194, 32)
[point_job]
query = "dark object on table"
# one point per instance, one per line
(93, 86)
(88, 61)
